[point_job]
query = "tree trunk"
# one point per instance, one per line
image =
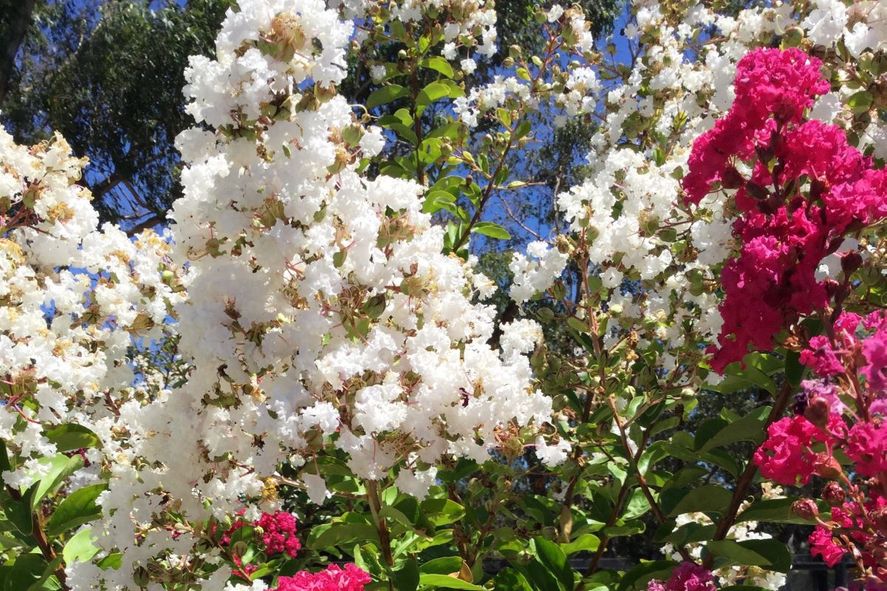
(17, 19)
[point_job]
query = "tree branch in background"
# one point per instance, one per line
(14, 26)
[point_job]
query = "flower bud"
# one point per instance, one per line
(833, 494)
(850, 262)
(792, 37)
(817, 411)
(827, 466)
(805, 509)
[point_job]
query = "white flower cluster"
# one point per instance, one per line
(729, 575)
(536, 271)
(468, 31)
(321, 311)
(471, 23)
(540, 81)
(72, 297)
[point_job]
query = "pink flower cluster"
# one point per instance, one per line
(829, 357)
(688, 576)
(807, 189)
(279, 533)
(849, 363)
(860, 524)
(787, 456)
(769, 83)
(334, 578)
(823, 545)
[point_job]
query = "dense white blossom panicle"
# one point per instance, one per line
(321, 309)
(536, 270)
(520, 336)
(472, 23)
(73, 298)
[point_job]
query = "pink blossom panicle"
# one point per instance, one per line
(688, 576)
(334, 578)
(279, 533)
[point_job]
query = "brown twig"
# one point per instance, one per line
(372, 488)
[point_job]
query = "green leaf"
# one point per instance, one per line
(71, 436)
(748, 428)
(553, 558)
(442, 566)
(4, 458)
(688, 533)
(442, 511)
(491, 229)
(80, 547)
(399, 116)
(407, 578)
(637, 506)
(703, 499)
(510, 579)
(435, 581)
(340, 533)
(794, 370)
(389, 512)
(24, 572)
(432, 92)
(709, 428)
(403, 132)
(773, 511)
(629, 528)
(860, 102)
(112, 561)
(522, 130)
(437, 200)
(429, 151)
(638, 577)
(398, 31)
(585, 542)
(385, 95)
(76, 509)
(438, 64)
(450, 130)
(540, 577)
(767, 553)
(463, 468)
(754, 375)
(723, 459)
(18, 512)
